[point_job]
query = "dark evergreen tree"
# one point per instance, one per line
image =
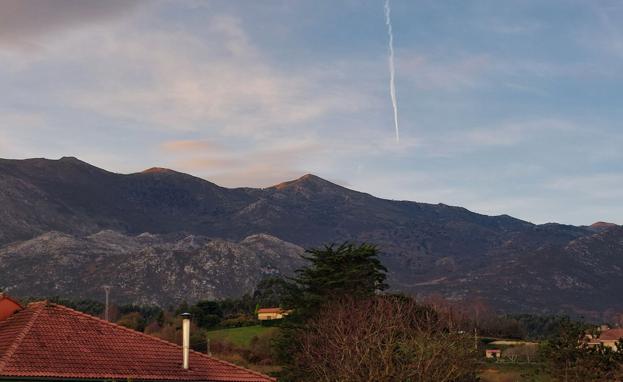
(206, 314)
(271, 292)
(334, 272)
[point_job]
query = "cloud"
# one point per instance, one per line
(10, 123)
(444, 73)
(21, 120)
(503, 134)
(604, 186)
(513, 133)
(190, 146)
(513, 27)
(26, 21)
(232, 166)
(178, 81)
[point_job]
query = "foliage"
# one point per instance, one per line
(381, 338)
(271, 292)
(260, 348)
(148, 313)
(334, 272)
(133, 320)
(92, 307)
(238, 321)
(569, 358)
(206, 314)
(540, 327)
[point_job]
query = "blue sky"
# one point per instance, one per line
(505, 107)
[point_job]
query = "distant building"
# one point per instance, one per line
(493, 353)
(609, 338)
(49, 342)
(265, 314)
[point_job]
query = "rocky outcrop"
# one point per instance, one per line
(143, 269)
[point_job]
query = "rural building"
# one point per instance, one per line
(265, 314)
(493, 353)
(609, 338)
(50, 342)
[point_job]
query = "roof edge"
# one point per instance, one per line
(18, 340)
(41, 304)
(4, 296)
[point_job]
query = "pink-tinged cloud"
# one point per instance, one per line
(185, 146)
(22, 21)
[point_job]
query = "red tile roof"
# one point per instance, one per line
(53, 341)
(8, 306)
(270, 310)
(611, 335)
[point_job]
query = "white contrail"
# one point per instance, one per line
(392, 70)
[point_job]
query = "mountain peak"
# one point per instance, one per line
(602, 226)
(70, 160)
(158, 170)
(305, 181)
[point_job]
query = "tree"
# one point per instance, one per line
(336, 271)
(133, 320)
(206, 314)
(569, 358)
(382, 338)
(271, 292)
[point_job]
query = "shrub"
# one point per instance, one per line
(382, 338)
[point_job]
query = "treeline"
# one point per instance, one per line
(207, 314)
(272, 292)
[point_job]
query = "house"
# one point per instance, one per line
(493, 353)
(50, 342)
(609, 338)
(265, 314)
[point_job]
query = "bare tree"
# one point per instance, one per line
(383, 339)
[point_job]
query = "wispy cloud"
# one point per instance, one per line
(504, 134)
(604, 186)
(443, 73)
(245, 166)
(189, 145)
(25, 23)
(191, 84)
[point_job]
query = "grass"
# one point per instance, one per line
(239, 337)
(237, 359)
(505, 372)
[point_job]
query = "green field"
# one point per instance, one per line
(501, 372)
(239, 337)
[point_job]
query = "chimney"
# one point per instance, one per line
(185, 338)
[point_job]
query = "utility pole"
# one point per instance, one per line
(475, 338)
(106, 309)
(208, 345)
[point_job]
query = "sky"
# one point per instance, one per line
(510, 107)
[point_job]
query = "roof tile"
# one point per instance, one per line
(49, 340)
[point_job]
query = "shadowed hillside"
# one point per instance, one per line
(516, 265)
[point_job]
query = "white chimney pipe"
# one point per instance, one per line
(185, 339)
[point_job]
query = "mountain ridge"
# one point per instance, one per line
(420, 242)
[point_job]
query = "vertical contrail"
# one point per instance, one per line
(392, 70)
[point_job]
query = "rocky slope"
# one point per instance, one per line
(516, 265)
(144, 269)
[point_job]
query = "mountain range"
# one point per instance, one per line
(160, 236)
